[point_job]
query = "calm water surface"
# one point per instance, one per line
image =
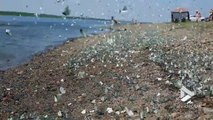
(30, 35)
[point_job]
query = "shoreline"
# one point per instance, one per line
(40, 53)
(52, 47)
(47, 85)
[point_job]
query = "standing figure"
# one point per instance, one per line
(211, 15)
(114, 22)
(198, 16)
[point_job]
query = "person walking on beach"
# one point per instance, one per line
(198, 16)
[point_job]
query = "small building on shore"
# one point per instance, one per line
(180, 15)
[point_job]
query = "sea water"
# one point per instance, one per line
(30, 35)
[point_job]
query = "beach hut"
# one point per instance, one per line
(180, 15)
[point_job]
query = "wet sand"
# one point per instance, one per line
(36, 89)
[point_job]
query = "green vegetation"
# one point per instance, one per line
(26, 14)
(11, 13)
(194, 25)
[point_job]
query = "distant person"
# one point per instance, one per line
(210, 15)
(114, 22)
(134, 21)
(198, 16)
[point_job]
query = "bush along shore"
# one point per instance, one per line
(145, 72)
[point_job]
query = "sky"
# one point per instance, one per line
(140, 10)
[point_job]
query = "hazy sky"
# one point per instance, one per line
(142, 10)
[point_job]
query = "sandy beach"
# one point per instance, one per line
(128, 74)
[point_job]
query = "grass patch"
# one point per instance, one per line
(194, 25)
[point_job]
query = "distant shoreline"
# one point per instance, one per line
(26, 14)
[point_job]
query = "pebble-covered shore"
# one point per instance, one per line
(134, 73)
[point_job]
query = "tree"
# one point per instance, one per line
(66, 11)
